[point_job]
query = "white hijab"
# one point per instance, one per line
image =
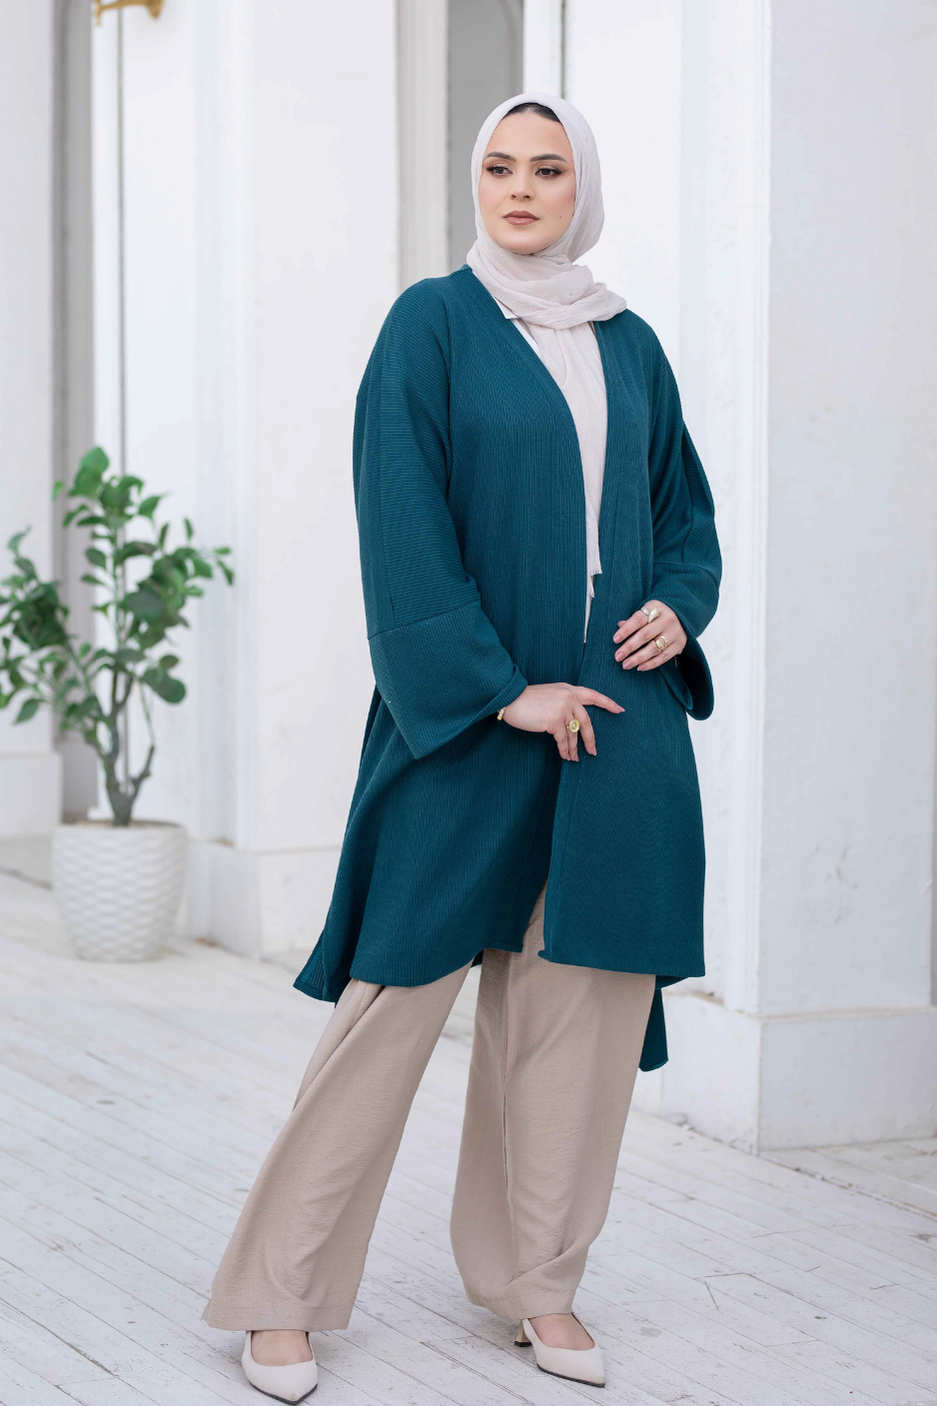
(555, 300)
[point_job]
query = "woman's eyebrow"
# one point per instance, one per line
(547, 156)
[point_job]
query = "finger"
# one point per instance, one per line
(561, 737)
(586, 731)
(670, 627)
(601, 700)
(628, 627)
(650, 655)
(664, 657)
(637, 641)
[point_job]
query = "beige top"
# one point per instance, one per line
(584, 389)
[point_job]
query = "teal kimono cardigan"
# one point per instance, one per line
(471, 517)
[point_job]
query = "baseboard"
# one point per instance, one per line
(255, 902)
(812, 1079)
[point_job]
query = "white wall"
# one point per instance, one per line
(30, 771)
(774, 224)
(252, 190)
(852, 568)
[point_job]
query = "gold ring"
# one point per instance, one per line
(653, 614)
(572, 725)
(662, 642)
(646, 611)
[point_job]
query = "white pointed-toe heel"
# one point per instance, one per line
(577, 1364)
(293, 1382)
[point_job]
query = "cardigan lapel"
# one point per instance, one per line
(609, 503)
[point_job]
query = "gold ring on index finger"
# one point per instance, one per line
(572, 725)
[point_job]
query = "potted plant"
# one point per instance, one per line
(118, 882)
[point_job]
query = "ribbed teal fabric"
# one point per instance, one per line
(471, 518)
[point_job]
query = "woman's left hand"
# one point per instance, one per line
(636, 638)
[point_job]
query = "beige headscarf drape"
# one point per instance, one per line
(555, 300)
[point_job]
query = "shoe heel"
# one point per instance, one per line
(522, 1339)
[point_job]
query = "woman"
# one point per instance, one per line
(538, 557)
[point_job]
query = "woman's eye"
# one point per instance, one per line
(548, 171)
(495, 170)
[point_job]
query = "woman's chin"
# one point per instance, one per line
(521, 240)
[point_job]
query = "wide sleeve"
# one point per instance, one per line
(687, 561)
(438, 662)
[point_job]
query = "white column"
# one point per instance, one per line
(543, 46)
(260, 216)
(422, 100)
(792, 283)
(30, 770)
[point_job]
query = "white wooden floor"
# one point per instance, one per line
(136, 1103)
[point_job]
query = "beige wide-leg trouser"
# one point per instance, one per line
(554, 1060)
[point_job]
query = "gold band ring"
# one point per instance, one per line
(572, 725)
(662, 643)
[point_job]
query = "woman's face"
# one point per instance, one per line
(527, 189)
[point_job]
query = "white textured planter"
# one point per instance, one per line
(118, 887)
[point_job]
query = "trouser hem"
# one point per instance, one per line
(289, 1318)
(523, 1305)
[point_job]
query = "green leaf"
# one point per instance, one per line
(163, 534)
(92, 580)
(200, 567)
(28, 709)
(189, 529)
(222, 551)
(133, 549)
(227, 572)
(169, 689)
(168, 661)
(96, 557)
(128, 655)
(90, 473)
(57, 487)
(143, 604)
(88, 705)
(95, 459)
(149, 505)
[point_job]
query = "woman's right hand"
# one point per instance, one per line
(548, 707)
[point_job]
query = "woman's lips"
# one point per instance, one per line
(519, 219)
